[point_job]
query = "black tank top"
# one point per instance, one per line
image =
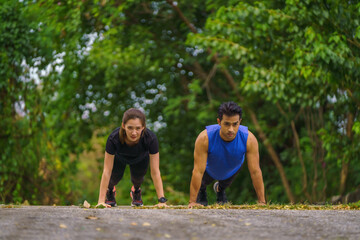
(148, 144)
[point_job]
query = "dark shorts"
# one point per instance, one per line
(137, 172)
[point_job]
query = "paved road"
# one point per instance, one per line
(47, 222)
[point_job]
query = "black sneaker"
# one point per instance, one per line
(136, 197)
(220, 196)
(110, 197)
(202, 197)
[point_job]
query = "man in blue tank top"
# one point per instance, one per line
(219, 154)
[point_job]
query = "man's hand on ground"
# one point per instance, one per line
(194, 204)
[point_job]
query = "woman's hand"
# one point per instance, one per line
(103, 204)
(161, 205)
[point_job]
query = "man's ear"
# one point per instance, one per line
(218, 121)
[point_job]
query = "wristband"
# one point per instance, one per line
(162, 200)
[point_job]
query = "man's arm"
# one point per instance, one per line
(252, 155)
(200, 158)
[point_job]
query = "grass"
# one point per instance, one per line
(270, 206)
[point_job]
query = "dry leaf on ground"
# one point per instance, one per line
(86, 204)
(62, 225)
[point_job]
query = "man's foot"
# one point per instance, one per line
(220, 196)
(136, 197)
(202, 197)
(110, 197)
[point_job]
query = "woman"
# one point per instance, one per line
(134, 145)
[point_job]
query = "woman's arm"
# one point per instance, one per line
(155, 174)
(108, 166)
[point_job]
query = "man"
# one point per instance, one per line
(219, 154)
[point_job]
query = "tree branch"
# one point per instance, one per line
(187, 22)
(232, 83)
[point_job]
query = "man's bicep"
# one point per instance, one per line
(252, 153)
(200, 152)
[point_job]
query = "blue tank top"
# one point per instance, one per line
(225, 158)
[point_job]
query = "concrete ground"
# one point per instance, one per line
(72, 222)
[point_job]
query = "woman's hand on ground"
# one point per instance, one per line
(161, 205)
(103, 204)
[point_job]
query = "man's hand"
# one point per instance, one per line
(103, 204)
(194, 204)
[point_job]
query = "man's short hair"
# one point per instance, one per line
(229, 109)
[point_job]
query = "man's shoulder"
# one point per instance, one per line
(212, 128)
(202, 140)
(251, 140)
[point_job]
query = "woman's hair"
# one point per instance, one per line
(131, 113)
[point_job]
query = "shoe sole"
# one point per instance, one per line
(135, 205)
(215, 186)
(215, 190)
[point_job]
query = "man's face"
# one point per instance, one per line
(229, 127)
(133, 129)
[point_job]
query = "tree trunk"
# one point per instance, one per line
(345, 162)
(297, 143)
(273, 156)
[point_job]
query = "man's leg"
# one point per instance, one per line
(202, 195)
(206, 180)
(221, 185)
(138, 171)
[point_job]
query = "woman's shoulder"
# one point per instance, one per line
(114, 135)
(149, 134)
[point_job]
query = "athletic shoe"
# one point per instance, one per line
(220, 196)
(110, 197)
(136, 197)
(202, 197)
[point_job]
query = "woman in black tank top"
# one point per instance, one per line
(134, 145)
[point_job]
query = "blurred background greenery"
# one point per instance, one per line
(69, 69)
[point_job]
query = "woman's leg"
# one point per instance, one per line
(117, 172)
(138, 171)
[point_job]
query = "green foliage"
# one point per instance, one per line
(296, 64)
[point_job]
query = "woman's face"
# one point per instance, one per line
(133, 129)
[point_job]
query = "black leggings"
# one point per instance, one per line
(223, 184)
(137, 172)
